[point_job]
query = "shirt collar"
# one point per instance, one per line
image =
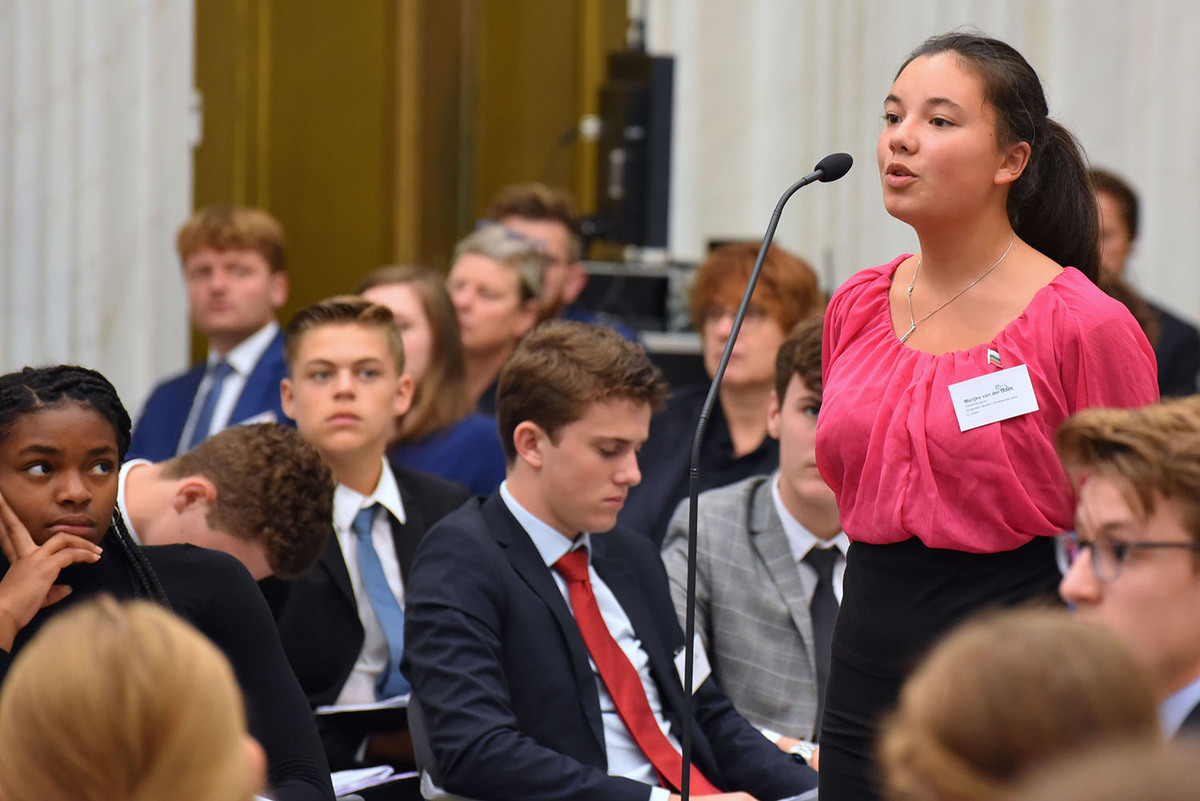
(1174, 711)
(121, 506)
(550, 544)
(799, 538)
(246, 354)
(347, 503)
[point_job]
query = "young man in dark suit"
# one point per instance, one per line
(542, 647)
(233, 269)
(342, 623)
(1133, 562)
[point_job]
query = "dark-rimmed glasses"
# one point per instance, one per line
(1108, 555)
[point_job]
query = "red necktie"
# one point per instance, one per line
(622, 680)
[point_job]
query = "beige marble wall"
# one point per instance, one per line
(95, 176)
(765, 88)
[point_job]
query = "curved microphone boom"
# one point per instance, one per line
(830, 168)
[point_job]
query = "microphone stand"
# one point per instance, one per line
(826, 170)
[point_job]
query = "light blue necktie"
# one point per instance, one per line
(220, 371)
(391, 681)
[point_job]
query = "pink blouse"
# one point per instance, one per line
(888, 439)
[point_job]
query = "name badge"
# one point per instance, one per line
(993, 397)
(700, 667)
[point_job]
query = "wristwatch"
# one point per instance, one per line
(803, 750)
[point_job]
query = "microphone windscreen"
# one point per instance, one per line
(834, 166)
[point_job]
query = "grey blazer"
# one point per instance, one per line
(751, 605)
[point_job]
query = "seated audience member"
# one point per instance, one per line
(233, 270)
(496, 287)
(771, 554)
(260, 493)
(510, 596)
(1008, 693)
(548, 218)
(343, 621)
(736, 445)
(1133, 561)
(1118, 772)
(124, 702)
(1177, 345)
(63, 435)
(440, 433)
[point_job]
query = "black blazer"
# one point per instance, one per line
(1178, 354)
(510, 703)
(318, 617)
(213, 592)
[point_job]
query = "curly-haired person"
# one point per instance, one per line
(260, 493)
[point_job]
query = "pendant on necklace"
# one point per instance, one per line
(906, 333)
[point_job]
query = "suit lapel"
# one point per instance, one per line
(612, 567)
(771, 545)
(407, 535)
(333, 562)
(528, 564)
(180, 407)
(262, 381)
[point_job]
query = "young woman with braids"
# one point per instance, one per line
(63, 434)
(950, 491)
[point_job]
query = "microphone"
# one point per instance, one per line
(833, 166)
(830, 168)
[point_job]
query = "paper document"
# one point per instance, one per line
(351, 781)
(395, 702)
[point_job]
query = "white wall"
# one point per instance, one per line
(95, 176)
(765, 88)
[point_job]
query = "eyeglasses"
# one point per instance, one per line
(540, 245)
(713, 314)
(1108, 555)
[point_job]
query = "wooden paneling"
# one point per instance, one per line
(376, 130)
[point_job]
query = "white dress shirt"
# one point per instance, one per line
(242, 358)
(122, 475)
(801, 541)
(1174, 710)
(360, 685)
(624, 756)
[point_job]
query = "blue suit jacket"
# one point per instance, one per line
(509, 700)
(156, 436)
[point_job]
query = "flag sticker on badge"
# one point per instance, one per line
(994, 359)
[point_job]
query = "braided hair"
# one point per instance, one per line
(36, 388)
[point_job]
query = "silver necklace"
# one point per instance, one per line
(913, 323)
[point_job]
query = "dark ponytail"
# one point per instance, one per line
(1051, 206)
(36, 388)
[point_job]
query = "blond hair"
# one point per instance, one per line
(1147, 771)
(122, 702)
(1153, 453)
(342, 310)
(233, 228)
(519, 254)
(1008, 692)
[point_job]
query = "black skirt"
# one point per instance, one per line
(898, 600)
